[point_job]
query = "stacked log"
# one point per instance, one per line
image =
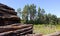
(16, 30)
(8, 15)
(10, 23)
(6, 7)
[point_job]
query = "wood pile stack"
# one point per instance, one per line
(8, 15)
(16, 29)
(10, 23)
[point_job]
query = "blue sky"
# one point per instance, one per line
(50, 6)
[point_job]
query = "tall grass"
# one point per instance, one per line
(46, 29)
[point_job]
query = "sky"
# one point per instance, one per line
(50, 6)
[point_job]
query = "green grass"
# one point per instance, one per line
(46, 29)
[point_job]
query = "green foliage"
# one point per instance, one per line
(32, 11)
(25, 13)
(30, 15)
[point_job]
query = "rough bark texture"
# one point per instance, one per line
(8, 15)
(16, 30)
(10, 23)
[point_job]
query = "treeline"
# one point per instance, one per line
(31, 15)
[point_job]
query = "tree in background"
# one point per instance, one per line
(39, 15)
(25, 13)
(30, 14)
(54, 18)
(58, 20)
(32, 11)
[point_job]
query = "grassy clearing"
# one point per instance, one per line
(46, 29)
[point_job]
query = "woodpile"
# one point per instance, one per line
(8, 15)
(10, 23)
(16, 30)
